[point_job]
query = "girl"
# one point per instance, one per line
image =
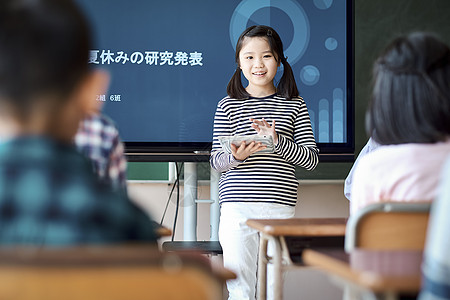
(409, 117)
(256, 184)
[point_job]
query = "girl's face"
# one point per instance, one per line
(258, 65)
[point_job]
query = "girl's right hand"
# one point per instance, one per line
(243, 151)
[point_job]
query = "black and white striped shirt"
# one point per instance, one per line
(263, 177)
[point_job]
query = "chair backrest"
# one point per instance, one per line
(106, 273)
(388, 226)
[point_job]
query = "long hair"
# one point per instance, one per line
(411, 93)
(286, 87)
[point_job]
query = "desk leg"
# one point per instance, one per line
(277, 270)
(262, 267)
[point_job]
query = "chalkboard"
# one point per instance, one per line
(148, 171)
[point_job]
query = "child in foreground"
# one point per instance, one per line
(49, 195)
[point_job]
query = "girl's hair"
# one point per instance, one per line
(287, 87)
(411, 94)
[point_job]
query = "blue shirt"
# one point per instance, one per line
(50, 196)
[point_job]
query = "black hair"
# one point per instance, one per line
(411, 93)
(44, 50)
(287, 87)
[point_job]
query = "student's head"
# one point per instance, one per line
(267, 40)
(45, 83)
(411, 94)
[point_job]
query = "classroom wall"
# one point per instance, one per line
(315, 199)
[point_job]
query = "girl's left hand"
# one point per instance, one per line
(264, 128)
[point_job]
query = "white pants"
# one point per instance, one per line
(240, 244)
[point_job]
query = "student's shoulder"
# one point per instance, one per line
(382, 159)
(298, 100)
(227, 100)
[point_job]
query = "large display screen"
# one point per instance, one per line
(170, 62)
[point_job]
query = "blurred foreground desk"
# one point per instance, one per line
(108, 272)
(290, 238)
(371, 274)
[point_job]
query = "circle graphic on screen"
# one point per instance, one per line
(245, 11)
(323, 4)
(309, 75)
(331, 44)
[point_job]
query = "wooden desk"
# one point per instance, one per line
(385, 274)
(162, 231)
(108, 272)
(276, 230)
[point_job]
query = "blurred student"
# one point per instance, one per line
(98, 139)
(409, 116)
(368, 147)
(48, 192)
(436, 264)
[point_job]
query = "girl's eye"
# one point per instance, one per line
(267, 56)
(249, 57)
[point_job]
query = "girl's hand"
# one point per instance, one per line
(264, 128)
(244, 151)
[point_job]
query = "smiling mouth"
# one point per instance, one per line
(259, 73)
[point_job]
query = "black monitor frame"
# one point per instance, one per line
(199, 151)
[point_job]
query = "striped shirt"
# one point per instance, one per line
(263, 177)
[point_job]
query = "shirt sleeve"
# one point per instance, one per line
(117, 169)
(370, 146)
(362, 189)
(302, 150)
(220, 160)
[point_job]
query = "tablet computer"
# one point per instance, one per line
(226, 141)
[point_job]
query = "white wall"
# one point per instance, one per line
(316, 199)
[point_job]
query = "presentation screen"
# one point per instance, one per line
(170, 62)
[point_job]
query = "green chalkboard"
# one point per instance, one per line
(376, 23)
(147, 171)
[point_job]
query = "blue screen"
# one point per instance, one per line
(170, 61)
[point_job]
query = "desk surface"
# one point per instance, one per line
(379, 271)
(162, 231)
(300, 226)
(102, 256)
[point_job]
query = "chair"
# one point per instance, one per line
(388, 226)
(125, 272)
